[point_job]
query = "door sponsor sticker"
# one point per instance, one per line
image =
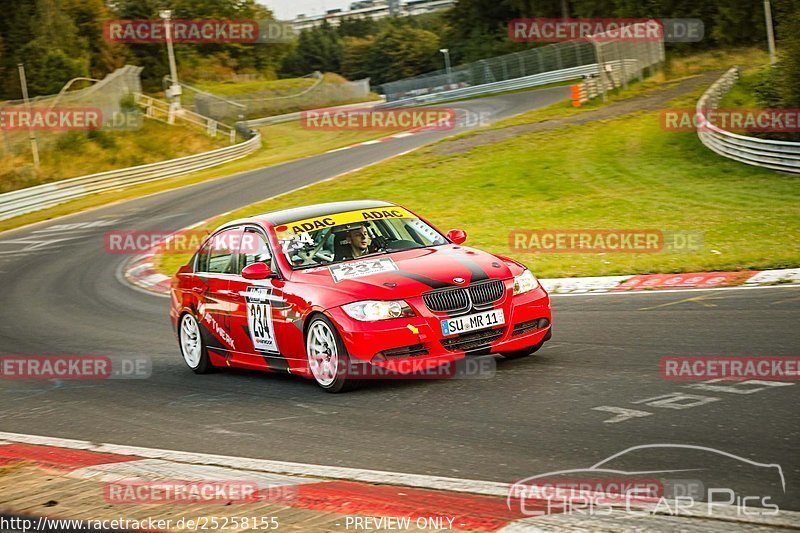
(259, 318)
(360, 269)
(463, 324)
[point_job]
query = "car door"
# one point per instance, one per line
(260, 314)
(214, 268)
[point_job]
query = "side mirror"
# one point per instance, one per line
(457, 236)
(257, 271)
(185, 269)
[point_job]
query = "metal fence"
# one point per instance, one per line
(107, 94)
(766, 153)
(635, 56)
(632, 58)
(526, 82)
(322, 93)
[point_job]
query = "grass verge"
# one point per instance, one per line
(622, 173)
(78, 153)
(281, 143)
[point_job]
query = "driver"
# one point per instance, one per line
(357, 242)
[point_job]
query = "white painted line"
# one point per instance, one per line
(666, 291)
(191, 460)
(154, 279)
(583, 285)
(120, 275)
(159, 470)
(402, 135)
(774, 276)
(490, 488)
(366, 143)
(340, 149)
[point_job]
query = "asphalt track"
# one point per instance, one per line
(62, 296)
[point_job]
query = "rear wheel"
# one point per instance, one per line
(192, 348)
(327, 357)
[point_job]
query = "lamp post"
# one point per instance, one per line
(446, 52)
(31, 134)
(174, 91)
(770, 32)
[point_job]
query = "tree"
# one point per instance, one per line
(788, 68)
(403, 52)
(738, 23)
(360, 27)
(44, 37)
(318, 49)
(356, 58)
(89, 17)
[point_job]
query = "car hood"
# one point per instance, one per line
(417, 271)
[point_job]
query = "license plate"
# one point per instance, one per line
(463, 324)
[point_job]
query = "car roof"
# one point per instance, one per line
(285, 216)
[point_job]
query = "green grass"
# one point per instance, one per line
(624, 173)
(281, 143)
(78, 153)
(280, 90)
(742, 94)
(239, 87)
(675, 70)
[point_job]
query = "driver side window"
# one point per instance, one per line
(216, 255)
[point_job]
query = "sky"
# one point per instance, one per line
(289, 9)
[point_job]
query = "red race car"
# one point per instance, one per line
(344, 291)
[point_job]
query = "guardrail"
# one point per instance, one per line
(32, 199)
(288, 117)
(766, 153)
(544, 78)
(593, 86)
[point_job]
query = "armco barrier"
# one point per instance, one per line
(39, 197)
(288, 117)
(526, 82)
(766, 153)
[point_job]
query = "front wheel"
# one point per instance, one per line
(327, 357)
(192, 348)
(531, 349)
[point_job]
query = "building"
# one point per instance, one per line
(374, 9)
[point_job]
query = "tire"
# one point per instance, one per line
(193, 350)
(328, 361)
(530, 350)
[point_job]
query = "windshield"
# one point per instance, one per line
(339, 237)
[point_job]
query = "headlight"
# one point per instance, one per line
(372, 310)
(525, 282)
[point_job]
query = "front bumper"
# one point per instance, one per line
(392, 344)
